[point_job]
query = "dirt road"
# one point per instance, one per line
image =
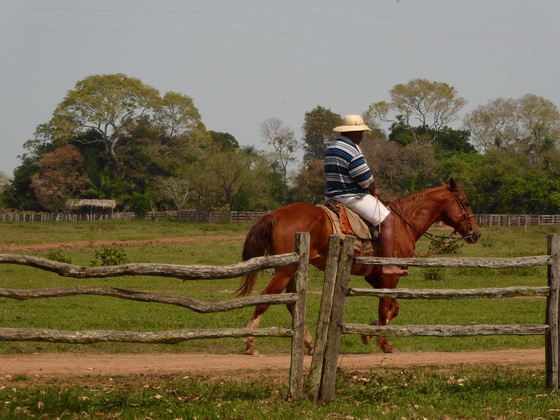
(66, 365)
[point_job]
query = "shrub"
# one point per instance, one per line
(109, 256)
(452, 247)
(140, 204)
(433, 274)
(59, 256)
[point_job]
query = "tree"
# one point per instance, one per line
(534, 193)
(400, 170)
(463, 167)
(18, 194)
(226, 141)
(418, 103)
(283, 140)
(172, 190)
(104, 104)
(180, 124)
(317, 132)
(104, 184)
(309, 183)
(61, 176)
(528, 126)
(219, 179)
(4, 180)
(490, 177)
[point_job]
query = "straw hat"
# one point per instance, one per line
(352, 123)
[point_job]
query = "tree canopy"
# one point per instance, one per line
(114, 137)
(318, 133)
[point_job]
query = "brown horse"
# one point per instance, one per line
(415, 213)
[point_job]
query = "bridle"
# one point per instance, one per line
(465, 215)
(444, 240)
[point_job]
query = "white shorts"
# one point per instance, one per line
(367, 206)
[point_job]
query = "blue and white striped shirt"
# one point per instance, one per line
(346, 169)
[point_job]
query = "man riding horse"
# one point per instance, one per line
(350, 182)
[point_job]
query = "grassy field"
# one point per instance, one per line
(421, 392)
(91, 312)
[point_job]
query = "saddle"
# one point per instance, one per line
(346, 222)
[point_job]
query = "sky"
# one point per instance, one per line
(244, 61)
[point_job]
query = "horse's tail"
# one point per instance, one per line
(257, 244)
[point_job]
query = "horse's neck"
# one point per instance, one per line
(420, 210)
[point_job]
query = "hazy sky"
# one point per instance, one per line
(248, 60)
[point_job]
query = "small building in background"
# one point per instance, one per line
(92, 207)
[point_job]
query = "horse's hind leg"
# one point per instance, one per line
(281, 279)
(307, 339)
(251, 349)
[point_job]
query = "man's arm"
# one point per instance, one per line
(373, 189)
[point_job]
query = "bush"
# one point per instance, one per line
(452, 247)
(140, 204)
(433, 274)
(59, 256)
(109, 256)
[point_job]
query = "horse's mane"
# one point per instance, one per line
(407, 204)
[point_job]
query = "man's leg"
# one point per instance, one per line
(387, 243)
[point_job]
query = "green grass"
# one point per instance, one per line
(89, 312)
(29, 233)
(479, 392)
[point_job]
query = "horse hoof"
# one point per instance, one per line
(390, 349)
(252, 352)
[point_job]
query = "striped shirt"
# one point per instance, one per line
(346, 169)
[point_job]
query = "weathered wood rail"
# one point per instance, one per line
(299, 259)
(331, 326)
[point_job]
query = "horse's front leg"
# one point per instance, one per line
(387, 310)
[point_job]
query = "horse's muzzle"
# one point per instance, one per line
(472, 237)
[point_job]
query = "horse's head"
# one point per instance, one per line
(458, 213)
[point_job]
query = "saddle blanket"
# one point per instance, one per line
(346, 222)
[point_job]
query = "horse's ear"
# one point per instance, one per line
(452, 184)
(443, 184)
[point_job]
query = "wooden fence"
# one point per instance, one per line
(203, 216)
(330, 326)
(511, 220)
(299, 259)
(224, 216)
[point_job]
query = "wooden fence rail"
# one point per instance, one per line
(323, 370)
(221, 216)
(299, 259)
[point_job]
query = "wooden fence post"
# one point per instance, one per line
(328, 383)
(552, 309)
(298, 317)
(317, 363)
